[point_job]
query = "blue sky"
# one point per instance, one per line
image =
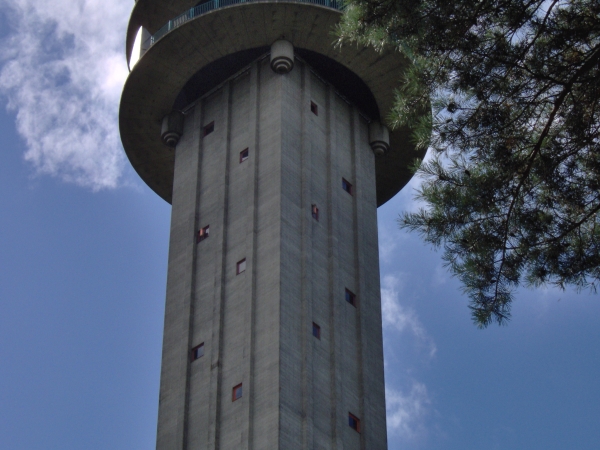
(83, 252)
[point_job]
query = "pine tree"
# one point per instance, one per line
(512, 192)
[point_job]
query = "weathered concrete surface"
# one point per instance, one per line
(157, 79)
(257, 326)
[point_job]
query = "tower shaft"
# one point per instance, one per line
(283, 294)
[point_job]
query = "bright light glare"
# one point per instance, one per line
(137, 46)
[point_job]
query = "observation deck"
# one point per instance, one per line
(192, 48)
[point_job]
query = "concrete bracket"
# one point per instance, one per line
(379, 138)
(172, 128)
(282, 56)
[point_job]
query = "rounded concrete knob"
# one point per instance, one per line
(282, 56)
(172, 128)
(379, 138)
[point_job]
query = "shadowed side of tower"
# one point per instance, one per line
(272, 333)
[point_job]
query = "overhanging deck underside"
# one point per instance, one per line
(158, 78)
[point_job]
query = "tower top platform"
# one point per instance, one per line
(210, 47)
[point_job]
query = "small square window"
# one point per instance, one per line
(241, 266)
(236, 393)
(197, 352)
(346, 186)
(354, 422)
(209, 128)
(202, 233)
(314, 108)
(351, 298)
(315, 212)
(316, 331)
(244, 155)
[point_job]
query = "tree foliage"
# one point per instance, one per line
(512, 192)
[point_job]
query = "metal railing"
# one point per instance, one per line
(216, 4)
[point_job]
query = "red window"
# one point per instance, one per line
(351, 298)
(346, 186)
(354, 422)
(203, 233)
(197, 352)
(241, 266)
(209, 128)
(236, 393)
(244, 155)
(314, 108)
(315, 212)
(316, 331)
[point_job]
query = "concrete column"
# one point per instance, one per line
(220, 278)
(174, 385)
(251, 256)
(306, 150)
(335, 286)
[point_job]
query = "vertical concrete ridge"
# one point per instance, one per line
(334, 286)
(360, 291)
(216, 375)
(251, 242)
(306, 259)
(172, 421)
(197, 125)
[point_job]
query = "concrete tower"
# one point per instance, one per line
(267, 142)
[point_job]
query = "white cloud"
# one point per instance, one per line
(388, 241)
(400, 318)
(406, 411)
(63, 68)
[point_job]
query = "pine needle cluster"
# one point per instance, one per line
(512, 192)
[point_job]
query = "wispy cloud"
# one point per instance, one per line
(389, 238)
(63, 68)
(401, 318)
(406, 411)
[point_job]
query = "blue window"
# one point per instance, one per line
(244, 155)
(198, 352)
(236, 393)
(351, 298)
(346, 186)
(316, 331)
(354, 422)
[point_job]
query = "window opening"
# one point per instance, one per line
(236, 393)
(209, 128)
(316, 331)
(351, 298)
(198, 352)
(346, 186)
(203, 233)
(314, 108)
(315, 212)
(244, 155)
(354, 422)
(241, 266)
